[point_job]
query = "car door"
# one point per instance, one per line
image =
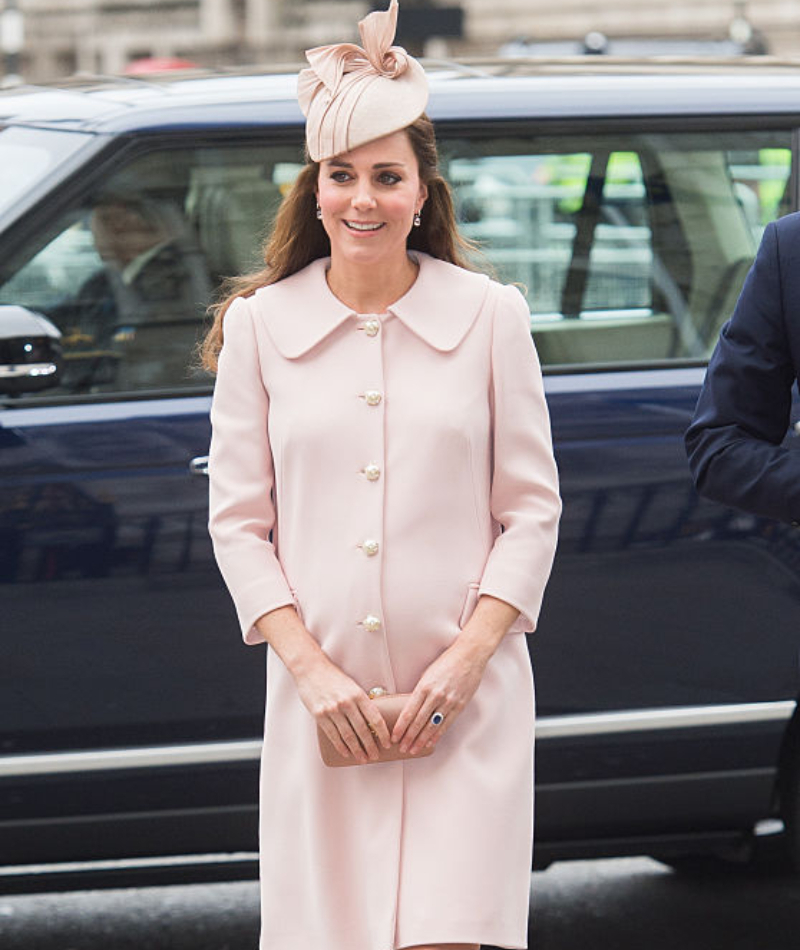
(660, 711)
(122, 690)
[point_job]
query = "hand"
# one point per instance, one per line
(446, 686)
(343, 711)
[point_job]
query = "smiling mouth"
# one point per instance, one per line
(359, 226)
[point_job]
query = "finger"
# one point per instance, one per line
(406, 717)
(336, 740)
(349, 737)
(432, 734)
(412, 734)
(363, 729)
(377, 725)
(357, 715)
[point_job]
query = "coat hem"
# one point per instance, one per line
(484, 934)
(487, 940)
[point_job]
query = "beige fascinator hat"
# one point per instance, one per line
(351, 95)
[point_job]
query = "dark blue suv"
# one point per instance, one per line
(629, 201)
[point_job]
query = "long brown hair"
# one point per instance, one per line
(298, 237)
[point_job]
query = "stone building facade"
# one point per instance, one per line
(102, 36)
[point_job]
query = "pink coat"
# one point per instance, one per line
(403, 464)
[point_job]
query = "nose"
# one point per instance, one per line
(363, 197)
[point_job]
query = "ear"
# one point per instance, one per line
(423, 195)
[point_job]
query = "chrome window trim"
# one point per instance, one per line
(547, 728)
(620, 379)
(649, 720)
(102, 760)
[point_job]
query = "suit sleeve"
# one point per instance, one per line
(734, 443)
(241, 478)
(525, 501)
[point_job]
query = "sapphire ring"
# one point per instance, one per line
(437, 718)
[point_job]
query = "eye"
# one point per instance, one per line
(339, 176)
(388, 178)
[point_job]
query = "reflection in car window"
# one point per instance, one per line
(128, 273)
(633, 248)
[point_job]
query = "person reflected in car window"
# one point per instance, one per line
(151, 278)
(145, 276)
(137, 250)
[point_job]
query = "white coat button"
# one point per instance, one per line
(371, 623)
(372, 397)
(372, 327)
(373, 472)
(370, 547)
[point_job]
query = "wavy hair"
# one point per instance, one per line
(297, 237)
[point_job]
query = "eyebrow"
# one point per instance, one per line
(338, 163)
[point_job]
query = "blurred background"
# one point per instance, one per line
(49, 40)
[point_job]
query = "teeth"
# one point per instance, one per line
(362, 227)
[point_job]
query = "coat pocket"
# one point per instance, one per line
(470, 603)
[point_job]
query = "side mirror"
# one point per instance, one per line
(30, 351)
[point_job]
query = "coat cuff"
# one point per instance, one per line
(523, 623)
(253, 603)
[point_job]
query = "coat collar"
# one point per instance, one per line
(440, 307)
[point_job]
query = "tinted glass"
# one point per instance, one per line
(127, 273)
(28, 155)
(632, 248)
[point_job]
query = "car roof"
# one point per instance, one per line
(468, 90)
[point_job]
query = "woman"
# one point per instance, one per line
(379, 410)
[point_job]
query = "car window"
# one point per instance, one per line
(127, 273)
(27, 155)
(631, 248)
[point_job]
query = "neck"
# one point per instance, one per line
(371, 289)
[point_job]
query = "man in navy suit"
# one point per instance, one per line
(735, 443)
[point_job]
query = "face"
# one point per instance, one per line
(121, 234)
(369, 197)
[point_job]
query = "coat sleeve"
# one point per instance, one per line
(525, 501)
(241, 478)
(734, 443)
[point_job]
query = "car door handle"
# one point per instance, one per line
(199, 465)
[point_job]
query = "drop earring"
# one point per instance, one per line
(417, 219)
(319, 212)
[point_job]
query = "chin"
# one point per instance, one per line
(371, 252)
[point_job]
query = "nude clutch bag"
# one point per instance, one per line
(390, 706)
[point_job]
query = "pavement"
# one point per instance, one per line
(639, 904)
(625, 904)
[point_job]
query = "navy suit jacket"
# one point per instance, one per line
(735, 441)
